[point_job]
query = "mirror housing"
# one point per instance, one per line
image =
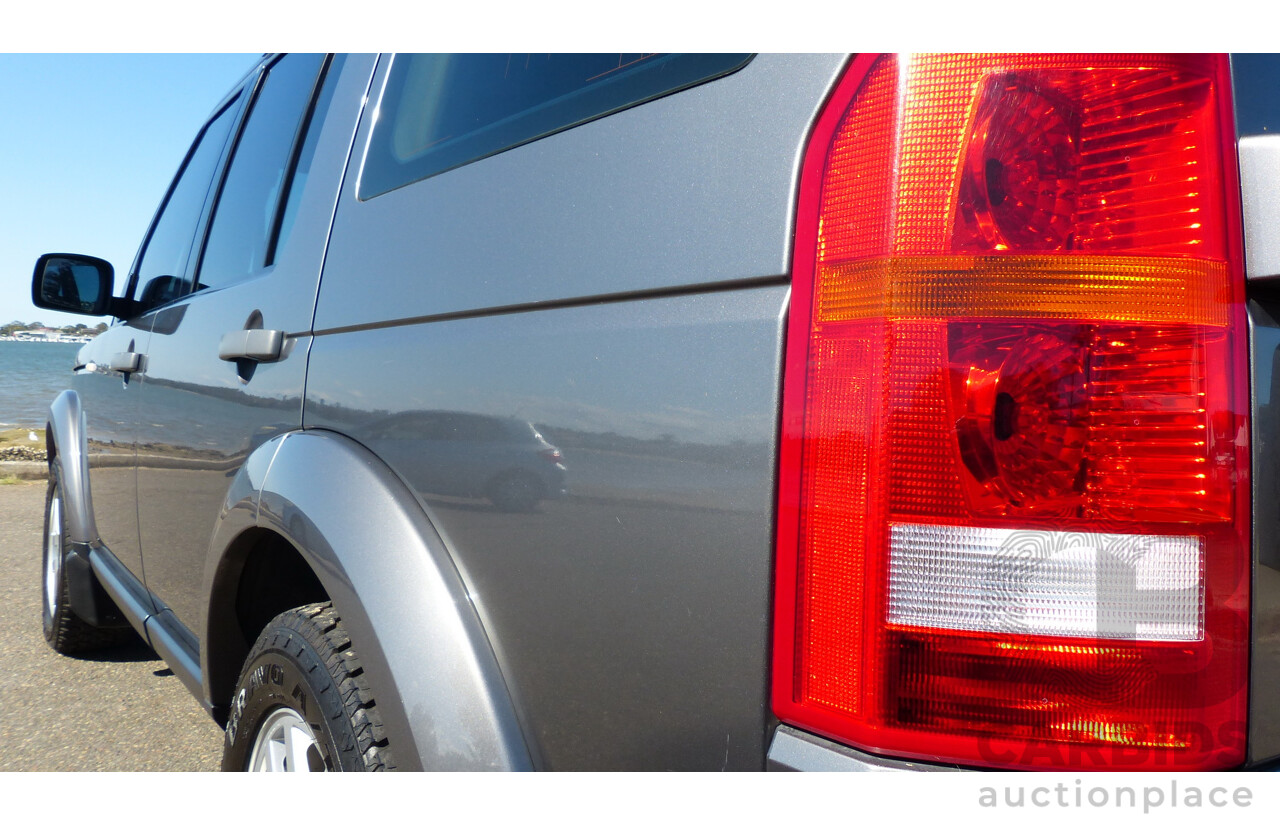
(78, 284)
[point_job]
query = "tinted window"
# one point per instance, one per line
(246, 211)
(441, 111)
(162, 267)
(298, 180)
(1255, 78)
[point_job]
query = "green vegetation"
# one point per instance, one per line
(74, 329)
(17, 445)
(21, 437)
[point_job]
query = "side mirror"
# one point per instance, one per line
(73, 283)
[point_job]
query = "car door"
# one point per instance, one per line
(108, 369)
(257, 266)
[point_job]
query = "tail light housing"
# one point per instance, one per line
(1014, 511)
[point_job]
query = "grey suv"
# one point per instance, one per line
(696, 412)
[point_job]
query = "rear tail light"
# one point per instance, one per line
(1013, 524)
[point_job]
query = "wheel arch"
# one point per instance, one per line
(67, 445)
(375, 553)
(259, 575)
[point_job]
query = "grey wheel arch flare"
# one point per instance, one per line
(429, 661)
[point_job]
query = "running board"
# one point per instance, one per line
(152, 619)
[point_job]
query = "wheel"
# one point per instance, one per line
(302, 702)
(516, 492)
(63, 629)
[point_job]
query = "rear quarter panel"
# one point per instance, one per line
(621, 286)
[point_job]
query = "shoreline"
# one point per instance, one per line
(23, 453)
(24, 470)
(61, 339)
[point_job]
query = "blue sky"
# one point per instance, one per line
(89, 144)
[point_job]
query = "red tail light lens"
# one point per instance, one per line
(1013, 523)
(1020, 184)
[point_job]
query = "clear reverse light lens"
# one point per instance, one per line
(1047, 583)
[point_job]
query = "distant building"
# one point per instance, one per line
(46, 335)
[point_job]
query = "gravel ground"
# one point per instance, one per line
(119, 710)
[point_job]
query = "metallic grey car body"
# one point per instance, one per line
(623, 626)
(623, 285)
(631, 620)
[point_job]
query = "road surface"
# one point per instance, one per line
(119, 710)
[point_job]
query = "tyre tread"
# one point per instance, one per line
(321, 626)
(69, 634)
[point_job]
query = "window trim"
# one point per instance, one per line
(234, 146)
(300, 136)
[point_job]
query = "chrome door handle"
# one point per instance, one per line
(261, 345)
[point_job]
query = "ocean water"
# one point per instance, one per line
(31, 374)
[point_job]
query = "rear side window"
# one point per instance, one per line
(241, 233)
(441, 111)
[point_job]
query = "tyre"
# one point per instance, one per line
(516, 492)
(302, 703)
(63, 629)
